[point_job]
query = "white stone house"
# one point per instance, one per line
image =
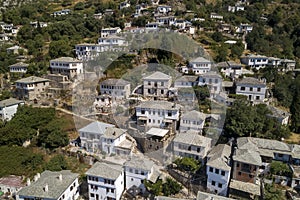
(158, 114)
(31, 88)
(255, 61)
(124, 4)
(198, 66)
(231, 69)
(87, 51)
(112, 41)
(105, 181)
(191, 144)
(192, 120)
(52, 185)
(163, 9)
(90, 135)
(105, 32)
(118, 89)
(216, 16)
(19, 67)
(138, 169)
(254, 89)
(186, 81)
(282, 116)
(114, 142)
(9, 107)
(165, 20)
(218, 169)
(157, 85)
(68, 66)
(213, 81)
(151, 26)
(11, 184)
(244, 28)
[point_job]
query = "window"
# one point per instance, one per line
(217, 171)
(112, 190)
(220, 185)
(280, 155)
(211, 169)
(92, 195)
(257, 98)
(162, 91)
(213, 183)
(136, 171)
(243, 88)
(223, 173)
(258, 89)
(107, 190)
(251, 88)
(143, 111)
(240, 173)
(162, 83)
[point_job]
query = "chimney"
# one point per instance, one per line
(38, 175)
(35, 178)
(60, 177)
(28, 182)
(46, 188)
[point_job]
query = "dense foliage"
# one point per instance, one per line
(280, 168)
(273, 193)
(187, 164)
(167, 188)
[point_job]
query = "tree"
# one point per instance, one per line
(217, 36)
(280, 168)
(221, 53)
(295, 107)
(59, 48)
(171, 187)
(272, 193)
(57, 163)
(187, 164)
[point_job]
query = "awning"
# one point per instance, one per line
(142, 118)
(168, 120)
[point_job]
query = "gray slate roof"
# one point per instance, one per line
(157, 76)
(10, 102)
(113, 133)
(166, 105)
(247, 156)
(32, 79)
(19, 64)
(208, 196)
(96, 127)
(194, 115)
(278, 113)
(229, 64)
(192, 138)
(250, 81)
(116, 82)
(187, 79)
(55, 186)
(105, 170)
(250, 188)
(211, 74)
(219, 157)
(66, 59)
(200, 60)
(139, 163)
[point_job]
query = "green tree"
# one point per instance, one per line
(171, 187)
(217, 36)
(59, 48)
(280, 168)
(57, 163)
(272, 193)
(187, 164)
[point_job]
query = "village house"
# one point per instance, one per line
(90, 135)
(186, 81)
(14, 50)
(52, 185)
(213, 81)
(192, 120)
(288, 65)
(244, 28)
(158, 114)
(118, 89)
(112, 41)
(124, 4)
(31, 88)
(274, 62)
(231, 69)
(254, 89)
(191, 144)
(237, 7)
(255, 61)
(282, 116)
(163, 9)
(105, 32)
(218, 169)
(137, 169)
(61, 12)
(157, 85)
(216, 16)
(151, 27)
(6, 27)
(68, 66)
(198, 66)
(37, 24)
(105, 181)
(10, 185)
(87, 51)
(156, 139)
(19, 67)
(114, 141)
(165, 20)
(8, 108)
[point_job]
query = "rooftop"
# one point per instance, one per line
(200, 60)
(55, 186)
(157, 76)
(113, 132)
(230, 64)
(105, 170)
(166, 105)
(211, 74)
(96, 127)
(187, 78)
(19, 64)
(9, 102)
(251, 81)
(194, 115)
(279, 113)
(65, 59)
(208, 196)
(139, 163)
(247, 156)
(12, 181)
(219, 157)
(250, 188)
(32, 79)
(157, 132)
(116, 82)
(192, 139)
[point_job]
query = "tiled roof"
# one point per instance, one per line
(211, 74)
(96, 127)
(105, 170)
(12, 181)
(10, 102)
(166, 105)
(139, 163)
(247, 156)
(65, 59)
(192, 139)
(194, 115)
(250, 81)
(113, 133)
(32, 79)
(187, 79)
(116, 82)
(19, 64)
(157, 76)
(208, 196)
(219, 157)
(55, 186)
(250, 188)
(200, 60)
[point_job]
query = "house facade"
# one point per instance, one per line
(118, 89)
(9, 107)
(213, 81)
(192, 145)
(186, 81)
(18, 68)
(10, 185)
(105, 32)
(31, 88)
(157, 85)
(198, 66)
(66, 66)
(254, 89)
(255, 61)
(87, 51)
(192, 120)
(105, 181)
(231, 69)
(52, 185)
(90, 135)
(218, 169)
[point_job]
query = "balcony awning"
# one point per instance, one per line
(142, 118)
